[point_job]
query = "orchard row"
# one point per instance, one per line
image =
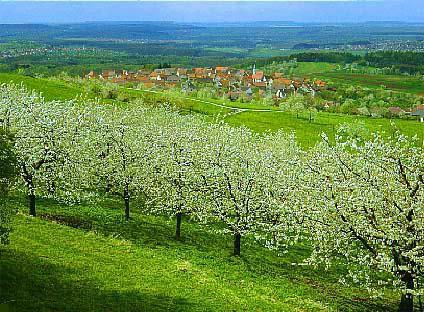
(352, 200)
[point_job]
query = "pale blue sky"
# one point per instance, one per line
(212, 11)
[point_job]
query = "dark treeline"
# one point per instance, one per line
(328, 57)
(401, 61)
(112, 55)
(405, 62)
(79, 65)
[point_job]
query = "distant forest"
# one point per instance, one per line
(405, 62)
(76, 48)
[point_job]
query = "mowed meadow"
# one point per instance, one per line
(84, 256)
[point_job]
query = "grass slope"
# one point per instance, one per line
(307, 133)
(392, 82)
(51, 90)
(87, 258)
(326, 71)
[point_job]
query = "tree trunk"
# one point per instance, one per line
(127, 204)
(31, 204)
(108, 187)
(237, 239)
(407, 300)
(52, 188)
(406, 303)
(178, 227)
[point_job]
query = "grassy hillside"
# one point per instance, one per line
(326, 71)
(87, 258)
(399, 83)
(307, 133)
(51, 90)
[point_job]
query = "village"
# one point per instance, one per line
(233, 83)
(241, 85)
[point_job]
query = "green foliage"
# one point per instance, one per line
(328, 57)
(368, 194)
(404, 62)
(8, 172)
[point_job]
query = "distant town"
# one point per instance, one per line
(232, 82)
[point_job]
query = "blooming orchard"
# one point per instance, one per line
(352, 200)
(366, 207)
(45, 134)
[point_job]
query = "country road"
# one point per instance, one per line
(238, 109)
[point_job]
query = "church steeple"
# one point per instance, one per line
(254, 69)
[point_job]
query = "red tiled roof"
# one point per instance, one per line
(320, 83)
(258, 76)
(395, 109)
(221, 68)
(284, 81)
(143, 78)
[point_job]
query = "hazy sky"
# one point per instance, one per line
(211, 11)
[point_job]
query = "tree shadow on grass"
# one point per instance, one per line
(31, 284)
(142, 230)
(158, 232)
(325, 283)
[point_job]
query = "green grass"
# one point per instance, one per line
(308, 133)
(326, 71)
(309, 68)
(51, 90)
(87, 258)
(398, 83)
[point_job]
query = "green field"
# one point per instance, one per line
(51, 90)
(88, 258)
(327, 71)
(307, 69)
(307, 133)
(406, 84)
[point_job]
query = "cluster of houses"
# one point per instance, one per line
(417, 112)
(234, 83)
